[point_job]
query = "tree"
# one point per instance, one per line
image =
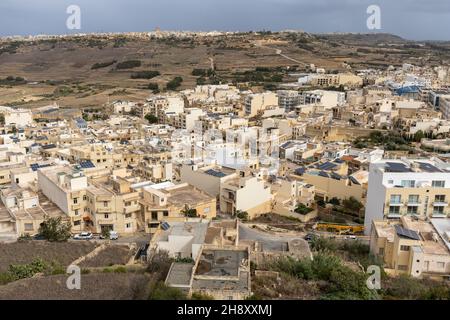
(418, 136)
(154, 87)
(352, 204)
(189, 213)
(243, 215)
(335, 201)
(151, 118)
(302, 209)
(54, 230)
(174, 83)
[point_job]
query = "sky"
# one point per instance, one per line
(411, 19)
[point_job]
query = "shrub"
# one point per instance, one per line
(129, 64)
(100, 65)
(145, 74)
(151, 118)
(174, 83)
(243, 215)
(162, 292)
(302, 209)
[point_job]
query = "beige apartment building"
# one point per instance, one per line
(256, 103)
(113, 205)
(413, 246)
(169, 203)
(110, 204)
(412, 187)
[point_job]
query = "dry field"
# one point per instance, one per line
(94, 286)
(110, 256)
(47, 65)
(25, 252)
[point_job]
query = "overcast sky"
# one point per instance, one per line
(411, 19)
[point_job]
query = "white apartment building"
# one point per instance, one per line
(327, 99)
(288, 99)
(407, 187)
(18, 117)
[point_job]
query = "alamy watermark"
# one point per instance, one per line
(374, 280)
(73, 282)
(73, 22)
(374, 19)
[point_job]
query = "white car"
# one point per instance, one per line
(83, 236)
(351, 238)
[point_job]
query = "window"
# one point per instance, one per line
(390, 181)
(105, 203)
(404, 248)
(413, 198)
(77, 212)
(127, 204)
(394, 210)
(77, 223)
(426, 265)
(402, 267)
(154, 215)
(84, 197)
(28, 226)
(106, 216)
(75, 200)
(440, 265)
(412, 210)
(396, 198)
(439, 198)
(408, 183)
(381, 251)
(438, 184)
(128, 225)
(438, 210)
(165, 213)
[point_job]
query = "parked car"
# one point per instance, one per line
(113, 235)
(351, 238)
(83, 236)
(310, 237)
(39, 237)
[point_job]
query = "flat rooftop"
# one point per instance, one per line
(195, 229)
(410, 165)
(221, 263)
(180, 274)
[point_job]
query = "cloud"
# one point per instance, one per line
(414, 19)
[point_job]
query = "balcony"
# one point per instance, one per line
(131, 209)
(394, 204)
(413, 203)
(440, 204)
(103, 210)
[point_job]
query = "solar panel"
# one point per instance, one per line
(87, 164)
(36, 166)
(165, 226)
(327, 166)
(397, 167)
(335, 176)
(323, 174)
(352, 179)
(215, 173)
(406, 233)
(428, 167)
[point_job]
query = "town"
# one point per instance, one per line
(229, 189)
